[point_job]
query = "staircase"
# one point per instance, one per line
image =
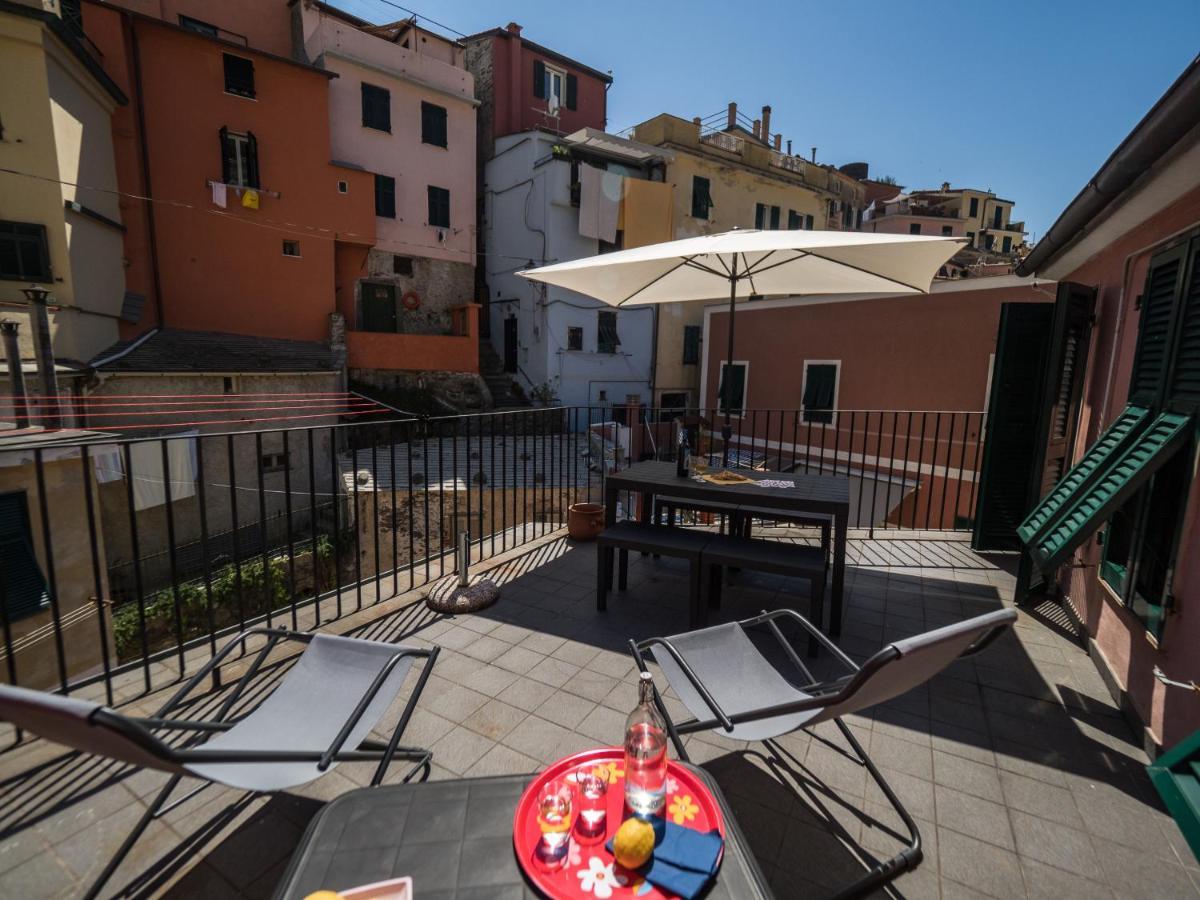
(506, 394)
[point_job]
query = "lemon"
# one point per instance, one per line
(324, 895)
(633, 843)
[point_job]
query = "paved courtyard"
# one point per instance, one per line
(1023, 778)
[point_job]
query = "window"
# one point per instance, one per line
(795, 220)
(974, 210)
(574, 338)
(291, 248)
(439, 207)
(808, 223)
(691, 345)
(672, 404)
(198, 26)
(274, 462)
(1006, 244)
(24, 253)
(239, 159)
(998, 217)
(433, 124)
(376, 107)
(701, 198)
(343, 187)
(25, 590)
(774, 218)
(760, 215)
(607, 340)
(947, 230)
(551, 85)
(989, 241)
(385, 196)
(914, 227)
(820, 391)
(402, 265)
(239, 76)
(971, 238)
(731, 391)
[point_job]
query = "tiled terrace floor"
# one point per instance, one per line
(1024, 780)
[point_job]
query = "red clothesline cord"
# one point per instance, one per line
(366, 412)
(235, 396)
(216, 404)
(114, 415)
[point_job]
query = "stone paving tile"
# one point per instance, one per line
(1019, 771)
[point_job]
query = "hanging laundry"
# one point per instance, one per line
(250, 199)
(108, 462)
(599, 203)
(149, 480)
(218, 194)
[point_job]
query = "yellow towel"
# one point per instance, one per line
(250, 199)
(646, 212)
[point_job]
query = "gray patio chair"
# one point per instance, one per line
(726, 682)
(319, 715)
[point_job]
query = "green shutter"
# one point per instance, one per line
(572, 91)
(1154, 327)
(539, 79)
(701, 199)
(760, 215)
(1176, 777)
(1183, 393)
(732, 389)
(691, 344)
(23, 589)
(1119, 463)
(819, 384)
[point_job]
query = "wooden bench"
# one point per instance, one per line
(682, 543)
(776, 557)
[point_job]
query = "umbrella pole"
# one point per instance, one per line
(727, 429)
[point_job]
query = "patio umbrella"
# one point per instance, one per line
(741, 263)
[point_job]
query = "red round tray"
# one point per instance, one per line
(590, 870)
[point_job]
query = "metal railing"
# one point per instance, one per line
(152, 549)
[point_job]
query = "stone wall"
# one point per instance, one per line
(439, 284)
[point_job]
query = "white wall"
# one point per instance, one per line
(529, 220)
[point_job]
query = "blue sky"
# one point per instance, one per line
(1024, 98)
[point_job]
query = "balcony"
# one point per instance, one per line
(456, 351)
(1022, 775)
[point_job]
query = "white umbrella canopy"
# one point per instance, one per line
(736, 264)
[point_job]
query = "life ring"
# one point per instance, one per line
(411, 300)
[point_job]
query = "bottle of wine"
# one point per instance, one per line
(683, 454)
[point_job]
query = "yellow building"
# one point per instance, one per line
(737, 177)
(987, 219)
(60, 219)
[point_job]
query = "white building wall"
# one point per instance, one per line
(529, 220)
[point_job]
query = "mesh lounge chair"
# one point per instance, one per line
(318, 716)
(726, 682)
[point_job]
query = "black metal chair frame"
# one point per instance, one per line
(141, 731)
(821, 694)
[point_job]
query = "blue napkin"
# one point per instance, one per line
(684, 860)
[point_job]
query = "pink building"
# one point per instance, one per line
(403, 108)
(1119, 536)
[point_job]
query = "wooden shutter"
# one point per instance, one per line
(539, 79)
(1183, 393)
(1163, 283)
(572, 91)
(732, 389)
(701, 201)
(691, 344)
(820, 382)
(760, 215)
(795, 220)
(1011, 442)
(227, 161)
(774, 218)
(23, 590)
(607, 340)
(252, 179)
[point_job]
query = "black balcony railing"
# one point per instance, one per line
(146, 552)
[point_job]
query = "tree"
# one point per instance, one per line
(886, 179)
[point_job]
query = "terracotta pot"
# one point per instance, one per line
(585, 521)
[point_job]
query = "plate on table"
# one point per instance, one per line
(590, 870)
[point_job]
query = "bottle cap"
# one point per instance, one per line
(645, 676)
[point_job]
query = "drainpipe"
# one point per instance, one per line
(144, 152)
(16, 376)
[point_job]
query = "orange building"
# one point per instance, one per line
(262, 252)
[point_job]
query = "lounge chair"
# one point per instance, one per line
(726, 682)
(318, 716)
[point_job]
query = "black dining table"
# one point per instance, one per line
(454, 839)
(823, 494)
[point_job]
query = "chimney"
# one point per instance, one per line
(696, 120)
(758, 128)
(778, 142)
(789, 147)
(945, 185)
(732, 120)
(814, 154)
(766, 123)
(44, 352)
(16, 376)
(513, 28)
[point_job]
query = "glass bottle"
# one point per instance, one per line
(683, 454)
(645, 754)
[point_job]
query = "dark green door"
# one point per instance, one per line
(379, 308)
(1011, 444)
